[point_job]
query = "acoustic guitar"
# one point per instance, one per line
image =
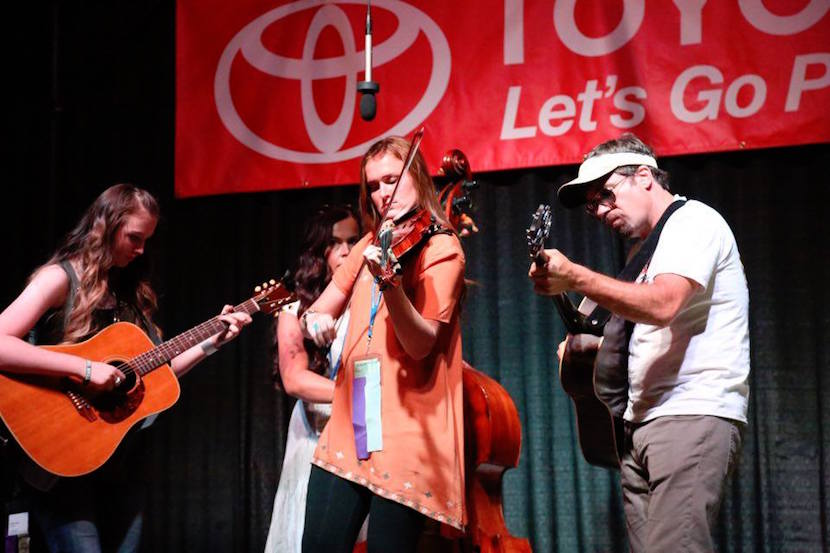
(600, 431)
(68, 433)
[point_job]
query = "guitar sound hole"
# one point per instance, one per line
(122, 401)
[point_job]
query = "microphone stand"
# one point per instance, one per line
(368, 88)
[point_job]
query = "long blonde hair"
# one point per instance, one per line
(427, 197)
(89, 247)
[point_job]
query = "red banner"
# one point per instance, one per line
(266, 94)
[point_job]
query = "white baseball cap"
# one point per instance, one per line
(572, 193)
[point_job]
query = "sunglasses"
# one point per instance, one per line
(602, 196)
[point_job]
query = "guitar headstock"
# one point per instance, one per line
(272, 295)
(538, 230)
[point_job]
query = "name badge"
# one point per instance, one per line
(366, 397)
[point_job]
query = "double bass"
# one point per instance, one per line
(492, 429)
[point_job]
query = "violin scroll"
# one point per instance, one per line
(388, 260)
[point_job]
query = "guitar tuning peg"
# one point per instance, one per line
(272, 282)
(264, 285)
(257, 289)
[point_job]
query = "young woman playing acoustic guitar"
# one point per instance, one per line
(98, 276)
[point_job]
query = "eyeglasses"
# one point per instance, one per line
(603, 196)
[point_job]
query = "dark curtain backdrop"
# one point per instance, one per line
(92, 103)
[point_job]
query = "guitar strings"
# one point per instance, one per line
(151, 359)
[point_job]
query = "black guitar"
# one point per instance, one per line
(600, 432)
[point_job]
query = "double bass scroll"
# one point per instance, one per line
(454, 183)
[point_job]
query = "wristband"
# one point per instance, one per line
(304, 318)
(208, 347)
(87, 371)
(383, 283)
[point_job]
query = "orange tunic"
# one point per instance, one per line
(422, 461)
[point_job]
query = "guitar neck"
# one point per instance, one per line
(163, 353)
(575, 322)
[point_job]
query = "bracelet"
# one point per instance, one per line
(304, 318)
(87, 372)
(208, 347)
(383, 283)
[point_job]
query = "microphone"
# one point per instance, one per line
(368, 88)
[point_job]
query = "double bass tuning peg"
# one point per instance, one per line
(461, 203)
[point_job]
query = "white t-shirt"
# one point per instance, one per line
(699, 363)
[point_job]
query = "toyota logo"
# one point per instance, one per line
(329, 138)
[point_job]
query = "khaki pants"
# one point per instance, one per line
(674, 471)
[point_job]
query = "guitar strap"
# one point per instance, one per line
(599, 316)
(73, 291)
(52, 326)
(611, 368)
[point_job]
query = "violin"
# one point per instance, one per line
(410, 231)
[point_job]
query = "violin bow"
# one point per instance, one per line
(383, 237)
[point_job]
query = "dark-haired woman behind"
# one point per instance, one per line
(96, 277)
(307, 371)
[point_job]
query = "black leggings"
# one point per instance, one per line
(335, 511)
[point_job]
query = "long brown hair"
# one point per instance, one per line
(89, 247)
(427, 197)
(311, 275)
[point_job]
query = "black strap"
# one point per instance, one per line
(74, 283)
(600, 315)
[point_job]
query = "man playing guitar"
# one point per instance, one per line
(688, 352)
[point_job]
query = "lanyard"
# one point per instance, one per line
(335, 352)
(335, 365)
(377, 296)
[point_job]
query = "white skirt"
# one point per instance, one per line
(288, 518)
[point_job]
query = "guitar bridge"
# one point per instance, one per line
(82, 406)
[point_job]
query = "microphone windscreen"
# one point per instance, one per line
(368, 106)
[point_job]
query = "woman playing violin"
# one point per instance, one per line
(393, 447)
